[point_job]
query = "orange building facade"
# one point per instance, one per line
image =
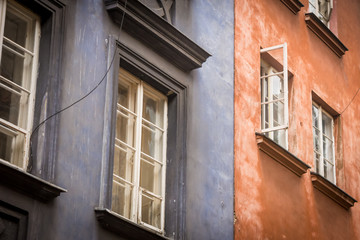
(297, 119)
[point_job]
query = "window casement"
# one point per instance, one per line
(323, 139)
(19, 38)
(274, 98)
(322, 9)
(138, 187)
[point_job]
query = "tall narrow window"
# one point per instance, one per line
(322, 9)
(323, 138)
(274, 97)
(19, 39)
(139, 154)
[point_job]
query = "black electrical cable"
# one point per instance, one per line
(80, 99)
(350, 101)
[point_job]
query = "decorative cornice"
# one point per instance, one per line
(158, 34)
(281, 155)
(332, 191)
(28, 184)
(293, 5)
(325, 34)
(124, 227)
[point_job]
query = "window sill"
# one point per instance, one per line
(332, 191)
(157, 33)
(281, 155)
(293, 5)
(124, 227)
(28, 184)
(325, 34)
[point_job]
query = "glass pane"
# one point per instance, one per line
(121, 198)
(13, 106)
(12, 145)
(150, 175)
(316, 139)
(152, 141)
(280, 137)
(127, 94)
(317, 162)
(278, 113)
(329, 171)
(153, 109)
(150, 210)
(315, 116)
(125, 127)
(264, 90)
(15, 28)
(124, 162)
(328, 149)
(327, 125)
(265, 116)
(12, 66)
(277, 88)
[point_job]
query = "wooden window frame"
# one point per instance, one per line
(19, 157)
(285, 75)
(320, 171)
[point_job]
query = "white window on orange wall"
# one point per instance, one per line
(323, 139)
(19, 39)
(322, 9)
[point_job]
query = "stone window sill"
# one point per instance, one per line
(281, 155)
(293, 5)
(324, 33)
(158, 34)
(124, 227)
(332, 191)
(28, 184)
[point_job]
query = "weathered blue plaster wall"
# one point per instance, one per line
(209, 195)
(209, 172)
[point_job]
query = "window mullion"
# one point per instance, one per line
(321, 163)
(271, 106)
(2, 23)
(136, 193)
(162, 219)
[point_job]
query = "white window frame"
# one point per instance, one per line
(314, 8)
(137, 191)
(320, 170)
(7, 127)
(284, 73)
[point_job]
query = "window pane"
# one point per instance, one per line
(277, 88)
(152, 141)
(317, 162)
(124, 162)
(15, 28)
(121, 198)
(329, 171)
(125, 127)
(12, 144)
(278, 113)
(150, 210)
(150, 175)
(265, 116)
(315, 116)
(127, 94)
(153, 109)
(328, 149)
(316, 139)
(327, 125)
(280, 137)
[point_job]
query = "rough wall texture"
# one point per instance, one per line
(270, 201)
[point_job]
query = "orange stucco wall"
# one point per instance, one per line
(270, 201)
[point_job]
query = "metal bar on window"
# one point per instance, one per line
(125, 109)
(13, 126)
(151, 158)
(122, 179)
(4, 79)
(271, 75)
(152, 124)
(13, 51)
(271, 48)
(282, 127)
(18, 46)
(10, 89)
